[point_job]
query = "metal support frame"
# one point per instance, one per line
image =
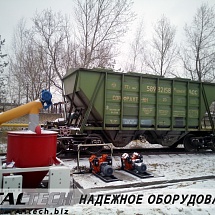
(26, 169)
(110, 145)
(21, 170)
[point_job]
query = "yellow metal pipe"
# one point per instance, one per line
(29, 108)
(14, 125)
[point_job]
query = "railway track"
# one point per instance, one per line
(120, 151)
(143, 151)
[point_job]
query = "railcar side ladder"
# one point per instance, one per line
(208, 109)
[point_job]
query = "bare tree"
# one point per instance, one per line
(17, 79)
(163, 51)
(100, 25)
(42, 54)
(3, 64)
(51, 33)
(199, 50)
(136, 61)
(27, 74)
(45, 52)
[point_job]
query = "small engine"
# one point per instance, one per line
(102, 165)
(133, 163)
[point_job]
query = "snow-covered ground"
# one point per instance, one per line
(176, 175)
(3, 148)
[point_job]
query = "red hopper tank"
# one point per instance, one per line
(28, 149)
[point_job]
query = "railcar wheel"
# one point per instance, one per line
(60, 147)
(188, 145)
(94, 139)
(213, 146)
(64, 131)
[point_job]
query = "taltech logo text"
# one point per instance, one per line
(40, 200)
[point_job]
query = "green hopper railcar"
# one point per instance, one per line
(120, 107)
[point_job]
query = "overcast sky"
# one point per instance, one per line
(178, 11)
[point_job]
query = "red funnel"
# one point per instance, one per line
(28, 149)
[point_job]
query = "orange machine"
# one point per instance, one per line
(133, 163)
(102, 165)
